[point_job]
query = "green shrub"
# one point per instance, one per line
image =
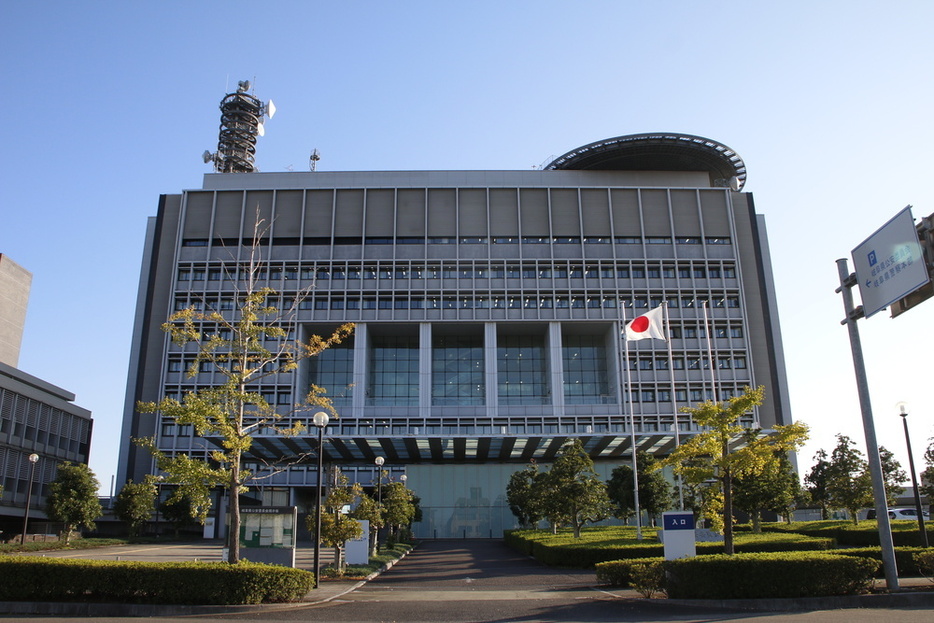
(905, 558)
(56, 579)
(605, 544)
(924, 560)
(620, 572)
(905, 532)
(14, 546)
(758, 576)
(648, 578)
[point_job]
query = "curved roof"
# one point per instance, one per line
(657, 152)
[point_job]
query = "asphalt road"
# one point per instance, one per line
(484, 581)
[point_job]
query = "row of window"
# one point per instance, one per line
(397, 240)
(352, 426)
(581, 271)
(481, 302)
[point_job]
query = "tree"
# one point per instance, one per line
(338, 527)
(72, 498)
(849, 484)
(816, 483)
(774, 489)
(892, 476)
(655, 494)
(575, 494)
(135, 504)
(710, 456)
(179, 511)
(926, 485)
(242, 347)
(369, 510)
(398, 507)
(524, 496)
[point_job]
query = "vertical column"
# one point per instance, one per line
(360, 367)
(424, 369)
(555, 367)
(489, 368)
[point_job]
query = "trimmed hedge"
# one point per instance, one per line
(563, 550)
(56, 579)
(905, 558)
(905, 532)
(764, 576)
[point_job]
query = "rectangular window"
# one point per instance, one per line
(393, 374)
(457, 370)
(522, 370)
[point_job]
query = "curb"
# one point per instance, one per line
(790, 604)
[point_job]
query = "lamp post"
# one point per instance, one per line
(903, 411)
(379, 480)
(379, 496)
(33, 458)
(320, 420)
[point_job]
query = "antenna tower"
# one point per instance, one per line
(241, 122)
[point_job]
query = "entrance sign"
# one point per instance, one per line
(889, 264)
(678, 534)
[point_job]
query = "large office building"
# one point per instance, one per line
(40, 426)
(488, 309)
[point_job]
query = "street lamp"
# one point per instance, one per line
(379, 480)
(903, 411)
(320, 420)
(33, 458)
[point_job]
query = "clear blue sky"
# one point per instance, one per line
(111, 104)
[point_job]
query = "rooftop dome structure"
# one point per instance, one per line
(658, 151)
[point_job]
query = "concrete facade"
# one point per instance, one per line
(488, 309)
(15, 282)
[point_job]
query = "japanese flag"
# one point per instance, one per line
(650, 324)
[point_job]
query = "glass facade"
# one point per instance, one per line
(522, 371)
(586, 378)
(393, 374)
(332, 369)
(457, 373)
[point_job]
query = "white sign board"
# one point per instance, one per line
(678, 535)
(889, 264)
(357, 552)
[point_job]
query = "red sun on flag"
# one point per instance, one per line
(639, 325)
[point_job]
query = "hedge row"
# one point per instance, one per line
(905, 533)
(585, 553)
(905, 558)
(753, 576)
(55, 579)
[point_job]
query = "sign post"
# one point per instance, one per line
(678, 535)
(889, 264)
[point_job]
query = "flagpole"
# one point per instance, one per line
(632, 434)
(713, 378)
(674, 396)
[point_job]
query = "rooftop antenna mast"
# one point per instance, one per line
(241, 122)
(313, 159)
